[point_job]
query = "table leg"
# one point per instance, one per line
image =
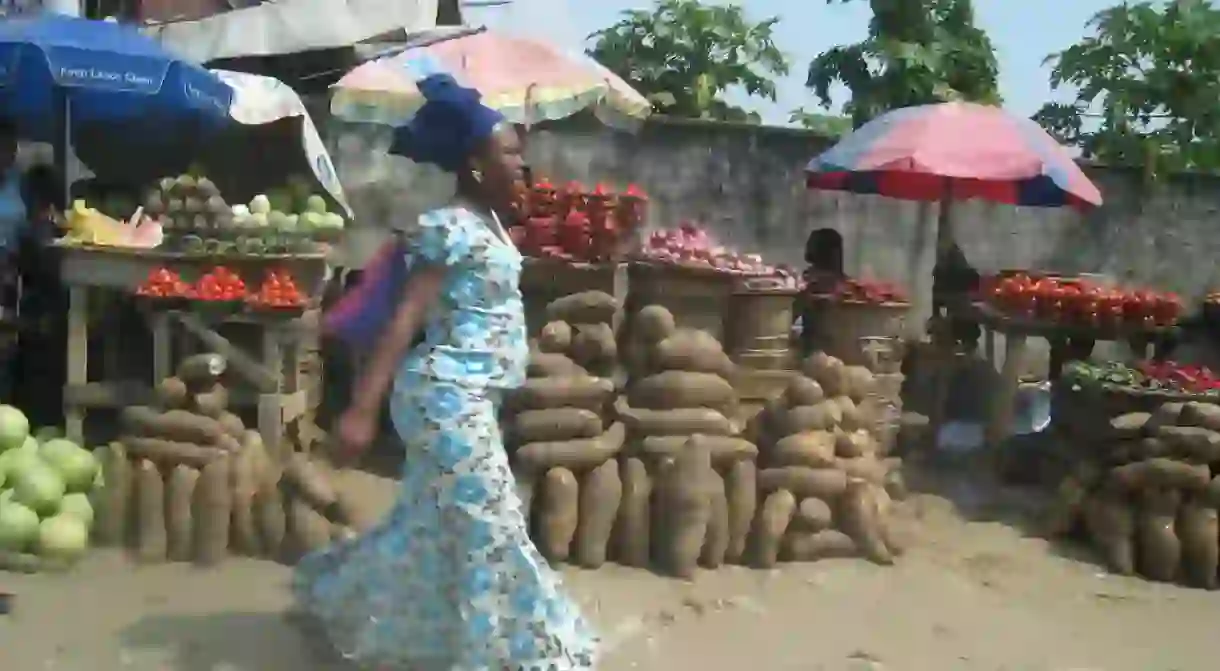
(77, 373)
(162, 336)
(270, 405)
(999, 424)
(989, 346)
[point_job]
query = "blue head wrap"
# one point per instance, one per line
(447, 127)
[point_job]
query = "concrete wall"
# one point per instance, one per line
(745, 184)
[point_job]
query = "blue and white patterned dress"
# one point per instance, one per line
(449, 580)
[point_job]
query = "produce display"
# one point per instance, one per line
(187, 481)
(1078, 301)
(47, 490)
(871, 292)
(678, 410)
(825, 482)
(187, 213)
(1165, 376)
(1147, 496)
(573, 223)
(691, 246)
(562, 442)
(277, 291)
(88, 226)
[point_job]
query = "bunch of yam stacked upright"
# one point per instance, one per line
(1149, 498)
(559, 431)
(688, 476)
(187, 481)
(825, 483)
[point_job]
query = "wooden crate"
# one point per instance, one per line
(758, 329)
(697, 297)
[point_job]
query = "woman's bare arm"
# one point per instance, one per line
(423, 286)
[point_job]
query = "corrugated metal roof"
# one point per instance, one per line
(281, 27)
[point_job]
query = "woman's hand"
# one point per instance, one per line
(355, 432)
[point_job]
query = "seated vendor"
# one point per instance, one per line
(954, 279)
(824, 254)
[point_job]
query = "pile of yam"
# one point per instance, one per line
(685, 459)
(1148, 497)
(825, 483)
(584, 328)
(561, 435)
(189, 482)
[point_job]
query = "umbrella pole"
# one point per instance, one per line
(944, 220)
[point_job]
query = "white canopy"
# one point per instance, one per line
(291, 26)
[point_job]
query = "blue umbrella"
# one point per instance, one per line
(101, 71)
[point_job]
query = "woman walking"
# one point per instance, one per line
(449, 580)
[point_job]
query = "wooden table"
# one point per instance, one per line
(274, 372)
(1017, 331)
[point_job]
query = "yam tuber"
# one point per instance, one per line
(171, 394)
(769, 527)
(201, 371)
(724, 450)
(590, 393)
(827, 484)
(586, 307)
(808, 546)
(600, 496)
(116, 495)
(654, 323)
(813, 515)
(559, 513)
(632, 530)
(1159, 551)
(716, 537)
(211, 512)
(689, 350)
(1110, 521)
(572, 454)
(555, 424)
(555, 338)
(680, 389)
(686, 510)
(802, 390)
(810, 449)
(151, 541)
(858, 517)
(676, 422)
(741, 489)
(169, 454)
(179, 529)
(1198, 531)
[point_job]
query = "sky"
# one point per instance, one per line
(1024, 33)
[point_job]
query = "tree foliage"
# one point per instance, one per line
(829, 125)
(917, 52)
(684, 55)
(1150, 73)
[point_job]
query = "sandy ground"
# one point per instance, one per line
(970, 595)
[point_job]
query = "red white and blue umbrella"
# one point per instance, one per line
(955, 151)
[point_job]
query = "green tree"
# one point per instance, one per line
(830, 125)
(917, 52)
(684, 55)
(1149, 80)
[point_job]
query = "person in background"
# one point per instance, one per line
(449, 579)
(954, 280)
(822, 275)
(40, 366)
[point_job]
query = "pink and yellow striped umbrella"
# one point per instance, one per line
(526, 80)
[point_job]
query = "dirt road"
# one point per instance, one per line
(969, 596)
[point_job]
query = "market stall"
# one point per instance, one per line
(949, 152)
(1072, 314)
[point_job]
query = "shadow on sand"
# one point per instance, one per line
(233, 642)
